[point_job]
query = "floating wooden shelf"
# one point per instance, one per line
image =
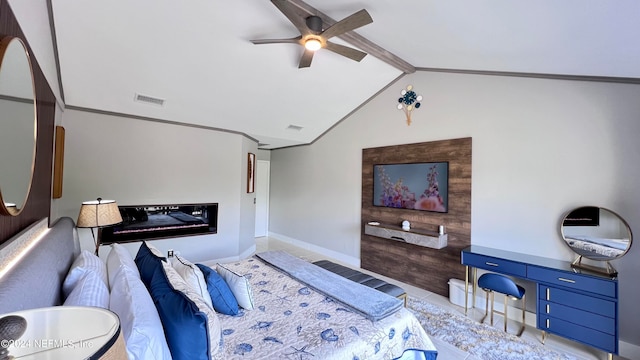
(430, 239)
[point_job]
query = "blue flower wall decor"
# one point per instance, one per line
(409, 101)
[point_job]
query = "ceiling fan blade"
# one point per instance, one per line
(295, 40)
(305, 60)
(349, 23)
(351, 53)
(296, 18)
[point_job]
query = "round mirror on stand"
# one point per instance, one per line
(18, 125)
(598, 234)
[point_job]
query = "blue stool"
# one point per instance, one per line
(491, 283)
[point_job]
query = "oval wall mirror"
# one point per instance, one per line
(597, 234)
(18, 125)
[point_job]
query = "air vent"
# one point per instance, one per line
(294, 127)
(149, 100)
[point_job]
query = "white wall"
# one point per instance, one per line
(139, 162)
(100, 148)
(540, 148)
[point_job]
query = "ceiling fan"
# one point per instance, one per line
(313, 37)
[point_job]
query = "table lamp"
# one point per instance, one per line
(98, 214)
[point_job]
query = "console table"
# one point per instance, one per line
(575, 304)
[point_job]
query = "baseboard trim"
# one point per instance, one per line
(348, 260)
(629, 350)
(245, 254)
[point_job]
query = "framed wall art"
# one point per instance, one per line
(251, 171)
(58, 165)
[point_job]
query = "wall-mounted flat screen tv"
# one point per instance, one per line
(417, 186)
(583, 216)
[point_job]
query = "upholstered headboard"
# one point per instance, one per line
(43, 260)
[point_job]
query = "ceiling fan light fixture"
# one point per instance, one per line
(312, 35)
(312, 44)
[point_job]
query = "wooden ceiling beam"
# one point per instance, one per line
(357, 40)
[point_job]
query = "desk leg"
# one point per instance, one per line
(466, 288)
(475, 287)
(610, 357)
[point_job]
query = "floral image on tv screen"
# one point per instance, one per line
(418, 186)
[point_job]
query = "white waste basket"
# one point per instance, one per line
(456, 292)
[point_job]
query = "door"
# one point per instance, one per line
(262, 197)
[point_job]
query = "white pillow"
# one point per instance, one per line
(85, 262)
(89, 290)
(119, 257)
(141, 325)
(193, 276)
(239, 285)
(155, 251)
(213, 323)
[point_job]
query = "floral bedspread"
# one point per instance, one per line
(292, 321)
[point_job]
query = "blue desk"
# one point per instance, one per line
(574, 304)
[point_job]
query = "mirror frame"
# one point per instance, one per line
(608, 270)
(5, 42)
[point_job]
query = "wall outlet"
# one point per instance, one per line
(170, 253)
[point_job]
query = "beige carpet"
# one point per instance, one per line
(478, 339)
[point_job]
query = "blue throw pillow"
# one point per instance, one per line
(147, 262)
(221, 296)
(184, 325)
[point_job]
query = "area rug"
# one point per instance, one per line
(478, 339)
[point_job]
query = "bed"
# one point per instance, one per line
(597, 248)
(35, 254)
(288, 319)
(291, 320)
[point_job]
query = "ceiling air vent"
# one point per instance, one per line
(294, 127)
(149, 100)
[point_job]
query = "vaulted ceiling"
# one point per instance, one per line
(197, 55)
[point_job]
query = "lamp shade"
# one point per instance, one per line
(98, 213)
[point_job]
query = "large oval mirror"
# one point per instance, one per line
(596, 233)
(18, 125)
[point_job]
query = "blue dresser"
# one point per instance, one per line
(575, 304)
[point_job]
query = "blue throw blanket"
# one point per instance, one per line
(371, 303)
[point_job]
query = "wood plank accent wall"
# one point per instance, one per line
(39, 202)
(426, 268)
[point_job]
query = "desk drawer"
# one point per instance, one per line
(582, 302)
(573, 281)
(579, 317)
(595, 338)
(495, 264)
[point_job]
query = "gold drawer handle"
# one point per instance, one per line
(491, 264)
(567, 280)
